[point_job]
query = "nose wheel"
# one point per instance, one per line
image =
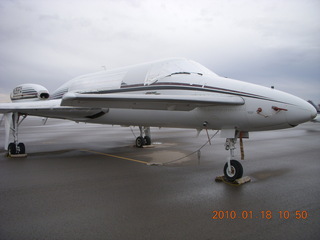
(233, 169)
(234, 172)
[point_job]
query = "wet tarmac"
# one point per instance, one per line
(83, 181)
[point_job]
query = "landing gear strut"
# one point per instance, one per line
(144, 138)
(232, 169)
(16, 148)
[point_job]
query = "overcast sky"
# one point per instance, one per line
(268, 42)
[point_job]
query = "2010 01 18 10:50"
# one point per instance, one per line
(264, 214)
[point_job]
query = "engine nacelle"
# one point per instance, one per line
(29, 92)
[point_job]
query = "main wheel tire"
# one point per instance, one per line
(12, 149)
(22, 148)
(236, 171)
(139, 142)
(147, 140)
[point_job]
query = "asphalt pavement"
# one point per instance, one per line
(83, 181)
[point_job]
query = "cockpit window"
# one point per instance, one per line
(168, 68)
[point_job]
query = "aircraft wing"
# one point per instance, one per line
(49, 108)
(77, 106)
(148, 101)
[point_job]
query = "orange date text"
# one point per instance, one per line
(265, 214)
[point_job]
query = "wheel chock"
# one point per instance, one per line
(148, 146)
(243, 180)
(238, 181)
(17, 155)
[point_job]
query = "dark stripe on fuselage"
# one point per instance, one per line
(181, 86)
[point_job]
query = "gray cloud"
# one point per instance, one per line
(266, 42)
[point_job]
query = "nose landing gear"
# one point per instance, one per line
(232, 169)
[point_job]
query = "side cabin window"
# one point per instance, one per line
(94, 82)
(100, 81)
(135, 76)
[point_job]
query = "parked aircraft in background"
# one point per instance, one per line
(177, 93)
(317, 118)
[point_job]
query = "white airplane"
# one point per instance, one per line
(176, 93)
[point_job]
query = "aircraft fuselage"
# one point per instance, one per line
(263, 109)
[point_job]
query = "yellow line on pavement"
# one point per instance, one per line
(114, 156)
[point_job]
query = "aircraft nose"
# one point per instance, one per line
(314, 112)
(301, 111)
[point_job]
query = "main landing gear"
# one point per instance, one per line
(16, 148)
(232, 169)
(144, 138)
